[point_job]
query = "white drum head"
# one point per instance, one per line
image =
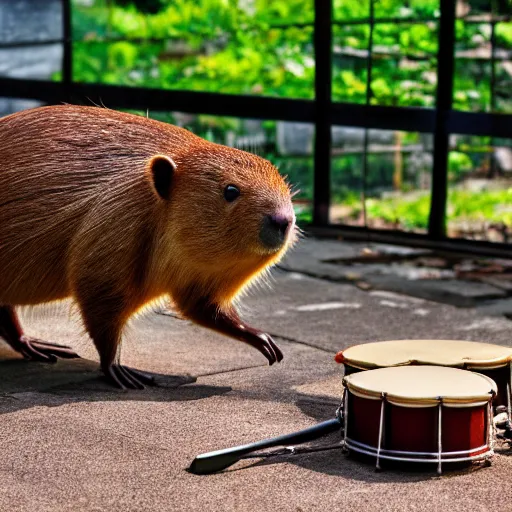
(423, 386)
(455, 353)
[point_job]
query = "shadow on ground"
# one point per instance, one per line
(26, 384)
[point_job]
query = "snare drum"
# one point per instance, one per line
(419, 414)
(491, 360)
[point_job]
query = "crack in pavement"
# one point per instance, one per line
(277, 336)
(300, 342)
(323, 277)
(220, 372)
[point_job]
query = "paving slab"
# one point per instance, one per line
(69, 442)
(497, 308)
(333, 316)
(457, 292)
(321, 259)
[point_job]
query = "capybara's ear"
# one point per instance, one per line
(162, 169)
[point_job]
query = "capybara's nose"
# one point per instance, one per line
(280, 223)
(274, 230)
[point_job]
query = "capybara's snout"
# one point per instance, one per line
(276, 227)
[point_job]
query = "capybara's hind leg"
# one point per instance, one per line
(105, 328)
(31, 348)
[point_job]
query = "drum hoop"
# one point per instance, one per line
(485, 365)
(352, 443)
(419, 402)
(400, 456)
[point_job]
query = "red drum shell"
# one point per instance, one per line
(415, 429)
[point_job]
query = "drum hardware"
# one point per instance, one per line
(503, 417)
(503, 424)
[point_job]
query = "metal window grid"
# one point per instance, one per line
(441, 121)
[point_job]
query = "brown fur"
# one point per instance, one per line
(80, 217)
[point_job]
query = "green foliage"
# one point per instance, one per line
(503, 34)
(413, 8)
(235, 47)
(409, 212)
(346, 180)
(348, 9)
(284, 12)
(487, 206)
(207, 45)
(458, 164)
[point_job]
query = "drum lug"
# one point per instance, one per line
(501, 421)
(507, 433)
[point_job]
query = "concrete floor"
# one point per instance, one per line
(69, 442)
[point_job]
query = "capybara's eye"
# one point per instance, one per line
(231, 193)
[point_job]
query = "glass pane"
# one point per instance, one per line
(210, 45)
(472, 85)
(398, 179)
(425, 9)
(503, 87)
(42, 62)
(480, 188)
(289, 146)
(90, 19)
(30, 20)
(346, 176)
(350, 57)
(280, 12)
(404, 64)
(503, 69)
(293, 155)
(345, 10)
(472, 9)
(386, 9)
(11, 105)
(472, 78)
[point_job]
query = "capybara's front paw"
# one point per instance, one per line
(264, 343)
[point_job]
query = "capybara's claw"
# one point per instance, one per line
(267, 349)
(275, 348)
(127, 378)
(141, 376)
(267, 346)
(37, 350)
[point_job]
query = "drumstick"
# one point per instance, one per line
(221, 459)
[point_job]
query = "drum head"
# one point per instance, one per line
(455, 353)
(423, 386)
